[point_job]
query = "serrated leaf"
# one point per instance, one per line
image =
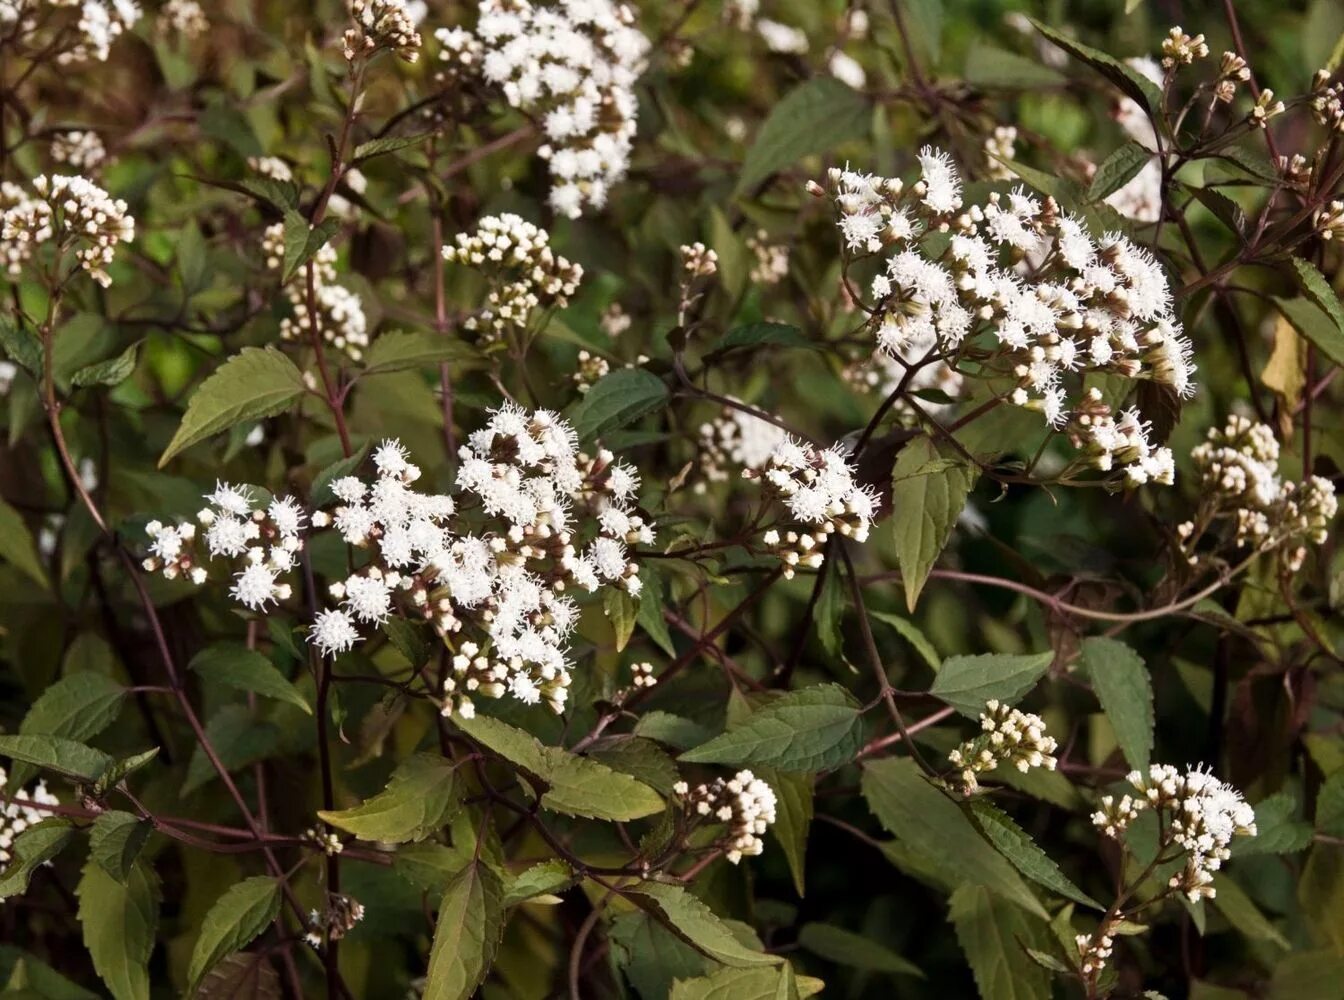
(1317, 288)
(122, 767)
(398, 350)
(302, 242)
(696, 924)
(620, 610)
(21, 347)
(674, 730)
(237, 917)
(926, 821)
(244, 974)
(924, 510)
(1022, 852)
(995, 938)
(120, 921)
(320, 494)
(116, 840)
(387, 144)
(968, 682)
(16, 545)
(814, 117)
(1317, 327)
(987, 66)
(854, 951)
(1330, 806)
(793, 819)
(545, 878)
(644, 760)
(1277, 828)
(466, 935)
(245, 669)
(58, 754)
(255, 383)
(30, 850)
(77, 707)
(763, 334)
(911, 633)
(746, 984)
(113, 371)
(618, 400)
(1133, 83)
(411, 640)
(239, 739)
(812, 729)
(1118, 169)
(1232, 902)
(650, 613)
(1121, 683)
(577, 786)
(419, 799)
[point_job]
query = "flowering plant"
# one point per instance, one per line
(533, 498)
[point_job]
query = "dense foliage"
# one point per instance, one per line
(682, 500)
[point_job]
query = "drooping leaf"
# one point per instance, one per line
(793, 819)
(995, 937)
(17, 547)
(811, 729)
(244, 669)
(419, 799)
(617, 400)
(466, 935)
(398, 350)
(120, 921)
(1131, 82)
(696, 924)
(814, 117)
(30, 850)
(620, 610)
(1318, 289)
(255, 383)
(1121, 682)
(854, 951)
(924, 507)
(911, 633)
(650, 613)
(1315, 325)
(232, 922)
(116, 840)
(968, 682)
(1022, 852)
(642, 759)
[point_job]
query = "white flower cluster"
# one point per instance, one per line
(1054, 303)
(1095, 949)
(1202, 814)
(572, 65)
(271, 166)
(744, 803)
(340, 312)
(78, 149)
(523, 271)
(641, 675)
(784, 39)
(1000, 145)
(266, 541)
(16, 815)
(1327, 102)
(698, 261)
(818, 488)
(735, 439)
(184, 18)
(86, 33)
(343, 912)
(72, 213)
(771, 265)
(1238, 470)
(1008, 736)
(1108, 443)
(382, 24)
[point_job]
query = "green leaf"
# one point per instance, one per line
(411, 639)
(618, 400)
(814, 117)
(696, 924)
(1278, 830)
(1315, 325)
(1130, 81)
(419, 799)
(829, 611)
(911, 633)
(968, 682)
(255, 383)
(793, 818)
(995, 938)
(303, 241)
(644, 760)
(620, 611)
(387, 144)
(120, 921)
(764, 334)
(320, 494)
(113, 371)
(21, 347)
(674, 730)
(56, 753)
(924, 507)
(1318, 289)
(31, 850)
(115, 841)
(543, 879)
(398, 350)
(239, 738)
(812, 729)
(1118, 169)
(466, 937)
(926, 821)
(77, 707)
(924, 22)
(987, 66)
(1330, 806)
(122, 767)
(577, 786)
(16, 545)
(854, 951)
(745, 984)
(1233, 903)
(245, 669)
(1121, 682)
(1022, 852)
(237, 917)
(650, 613)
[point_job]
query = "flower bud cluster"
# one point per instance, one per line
(271, 166)
(341, 321)
(590, 368)
(743, 803)
(183, 18)
(1007, 736)
(1094, 950)
(379, 25)
(735, 439)
(698, 262)
(17, 815)
(771, 265)
(73, 214)
(571, 65)
(78, 149)
(1200, 814)
(818, 488)
(1109, 443)
(1327, 103)
(641, 675)
(1239, 481)
(1180, 49)
(881, 373)
(1001, 144)
(86, 32)
(524, 273)
(343, 912)
(1014, 285)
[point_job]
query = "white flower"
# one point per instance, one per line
(333, 632)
